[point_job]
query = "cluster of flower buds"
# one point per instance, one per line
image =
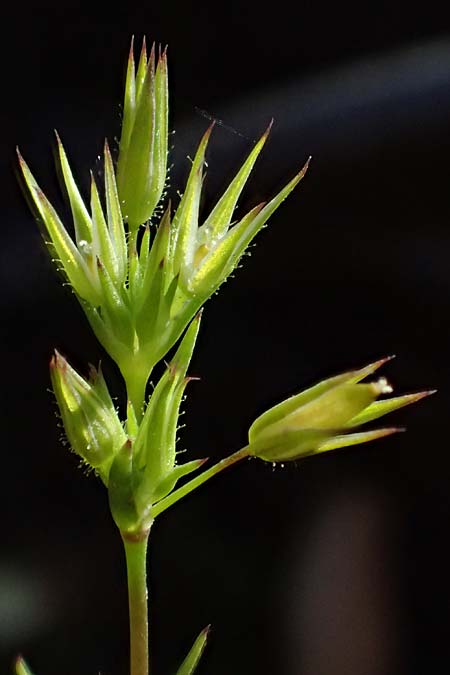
(323, 417)
(140, 292)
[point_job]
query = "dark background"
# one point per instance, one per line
(335, 566)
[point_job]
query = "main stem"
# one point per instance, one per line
(136, 557)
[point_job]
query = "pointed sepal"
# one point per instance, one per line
(218, 222)
(81, 218)
(223, 257)
(379, 408)
(77, 264)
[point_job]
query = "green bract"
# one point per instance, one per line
(141, 290)
(320, 418)
(90, 420)
(145, 470)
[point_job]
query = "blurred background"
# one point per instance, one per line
(338, 564)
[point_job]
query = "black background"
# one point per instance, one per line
(338, 565)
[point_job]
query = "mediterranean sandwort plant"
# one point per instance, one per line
(142, 270)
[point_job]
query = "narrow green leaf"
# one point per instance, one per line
(81, 218)
(193, 658)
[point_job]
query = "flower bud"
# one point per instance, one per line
(90, 420)
(319, 419)
(142, 162)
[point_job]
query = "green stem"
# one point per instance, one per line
(136, 557)
(136, 383)
(198, 480)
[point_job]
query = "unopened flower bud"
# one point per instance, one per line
(90, 420)
(320, 418)
(142, 163)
